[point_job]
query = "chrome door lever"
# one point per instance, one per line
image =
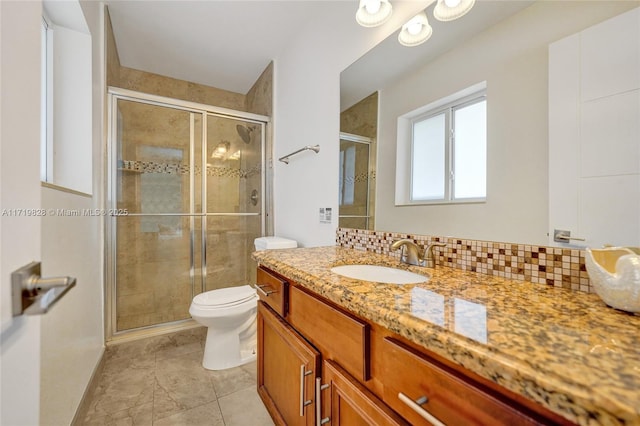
(34, 295)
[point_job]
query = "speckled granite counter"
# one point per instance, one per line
(566, 350)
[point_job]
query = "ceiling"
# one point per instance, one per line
(224, 44)
(228, 44)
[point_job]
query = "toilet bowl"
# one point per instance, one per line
(230, 317)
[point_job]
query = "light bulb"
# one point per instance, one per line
(414, 27)
(452, 3)
(372, 6)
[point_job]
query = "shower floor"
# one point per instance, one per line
(160, 381)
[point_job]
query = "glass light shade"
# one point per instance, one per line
(372, 13)
(416, 31)
(444, 12)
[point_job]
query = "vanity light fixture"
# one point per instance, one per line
(372, 13)
(416, 31)
(448, 10)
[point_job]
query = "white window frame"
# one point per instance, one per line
(46, 110)
(405, 146)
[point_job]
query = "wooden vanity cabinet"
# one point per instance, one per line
(424, 391)
(273, 290)
(287, 368)
(346, 402)
(368, 375)
(337, 335)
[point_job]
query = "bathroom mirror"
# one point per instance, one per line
(506, 45)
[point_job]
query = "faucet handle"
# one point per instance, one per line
(427, 257)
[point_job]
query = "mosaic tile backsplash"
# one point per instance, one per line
(553, 266)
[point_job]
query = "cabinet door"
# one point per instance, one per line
(287, 367)
(346, 402)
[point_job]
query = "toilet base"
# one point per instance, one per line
(230, 349)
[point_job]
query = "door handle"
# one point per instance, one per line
(33, 295)
(561, 236)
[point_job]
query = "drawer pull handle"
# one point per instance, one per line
(303, 402)
(415, 406)
(265, 293)
(319, 388)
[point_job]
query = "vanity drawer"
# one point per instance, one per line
(338, 335)
(273, 290)
(410, 375)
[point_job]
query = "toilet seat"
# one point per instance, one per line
(225, 297)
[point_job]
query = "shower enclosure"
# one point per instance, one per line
(357, 190)
(186, 198)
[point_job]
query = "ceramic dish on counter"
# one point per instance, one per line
(615, 275)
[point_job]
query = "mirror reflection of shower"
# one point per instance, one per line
(245, 132)
(355, 178)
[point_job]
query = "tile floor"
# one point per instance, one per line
(160, 381)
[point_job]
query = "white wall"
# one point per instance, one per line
(20, 24)
(72, 109)
(73, 331)
(512, 58)
(594, 110)
(306, 112)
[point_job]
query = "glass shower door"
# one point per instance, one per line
(355, 179)
(232, 200)
(153, 261)
(191, 184)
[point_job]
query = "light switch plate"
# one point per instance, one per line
(325, 214)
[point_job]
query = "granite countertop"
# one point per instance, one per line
(565, 350)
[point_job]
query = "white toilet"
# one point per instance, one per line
(230, 317)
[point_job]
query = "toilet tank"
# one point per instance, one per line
(268, 243)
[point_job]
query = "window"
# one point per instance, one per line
(66, 98)
(442, 151)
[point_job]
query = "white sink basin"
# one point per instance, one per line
(380, 274)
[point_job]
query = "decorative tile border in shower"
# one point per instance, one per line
(554, 266)
(183, 169)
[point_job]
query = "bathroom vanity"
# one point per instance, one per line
(462, 348)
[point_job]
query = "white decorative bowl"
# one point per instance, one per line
(615, 275)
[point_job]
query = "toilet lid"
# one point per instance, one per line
(225, 297)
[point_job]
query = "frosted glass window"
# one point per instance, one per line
(470, 151)
(448, 161)
(428, 159)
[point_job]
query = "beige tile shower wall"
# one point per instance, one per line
(260, 96)
(113, 60)
(539, 264)
(259, 101)
(362, 119)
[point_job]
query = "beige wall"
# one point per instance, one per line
(512, 58)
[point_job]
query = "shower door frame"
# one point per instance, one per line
(195, 109)
(350, 137)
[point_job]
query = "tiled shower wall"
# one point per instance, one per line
(554, 266)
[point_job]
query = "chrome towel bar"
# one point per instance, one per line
(315, 148)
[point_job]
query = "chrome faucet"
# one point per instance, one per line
(410, 253)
